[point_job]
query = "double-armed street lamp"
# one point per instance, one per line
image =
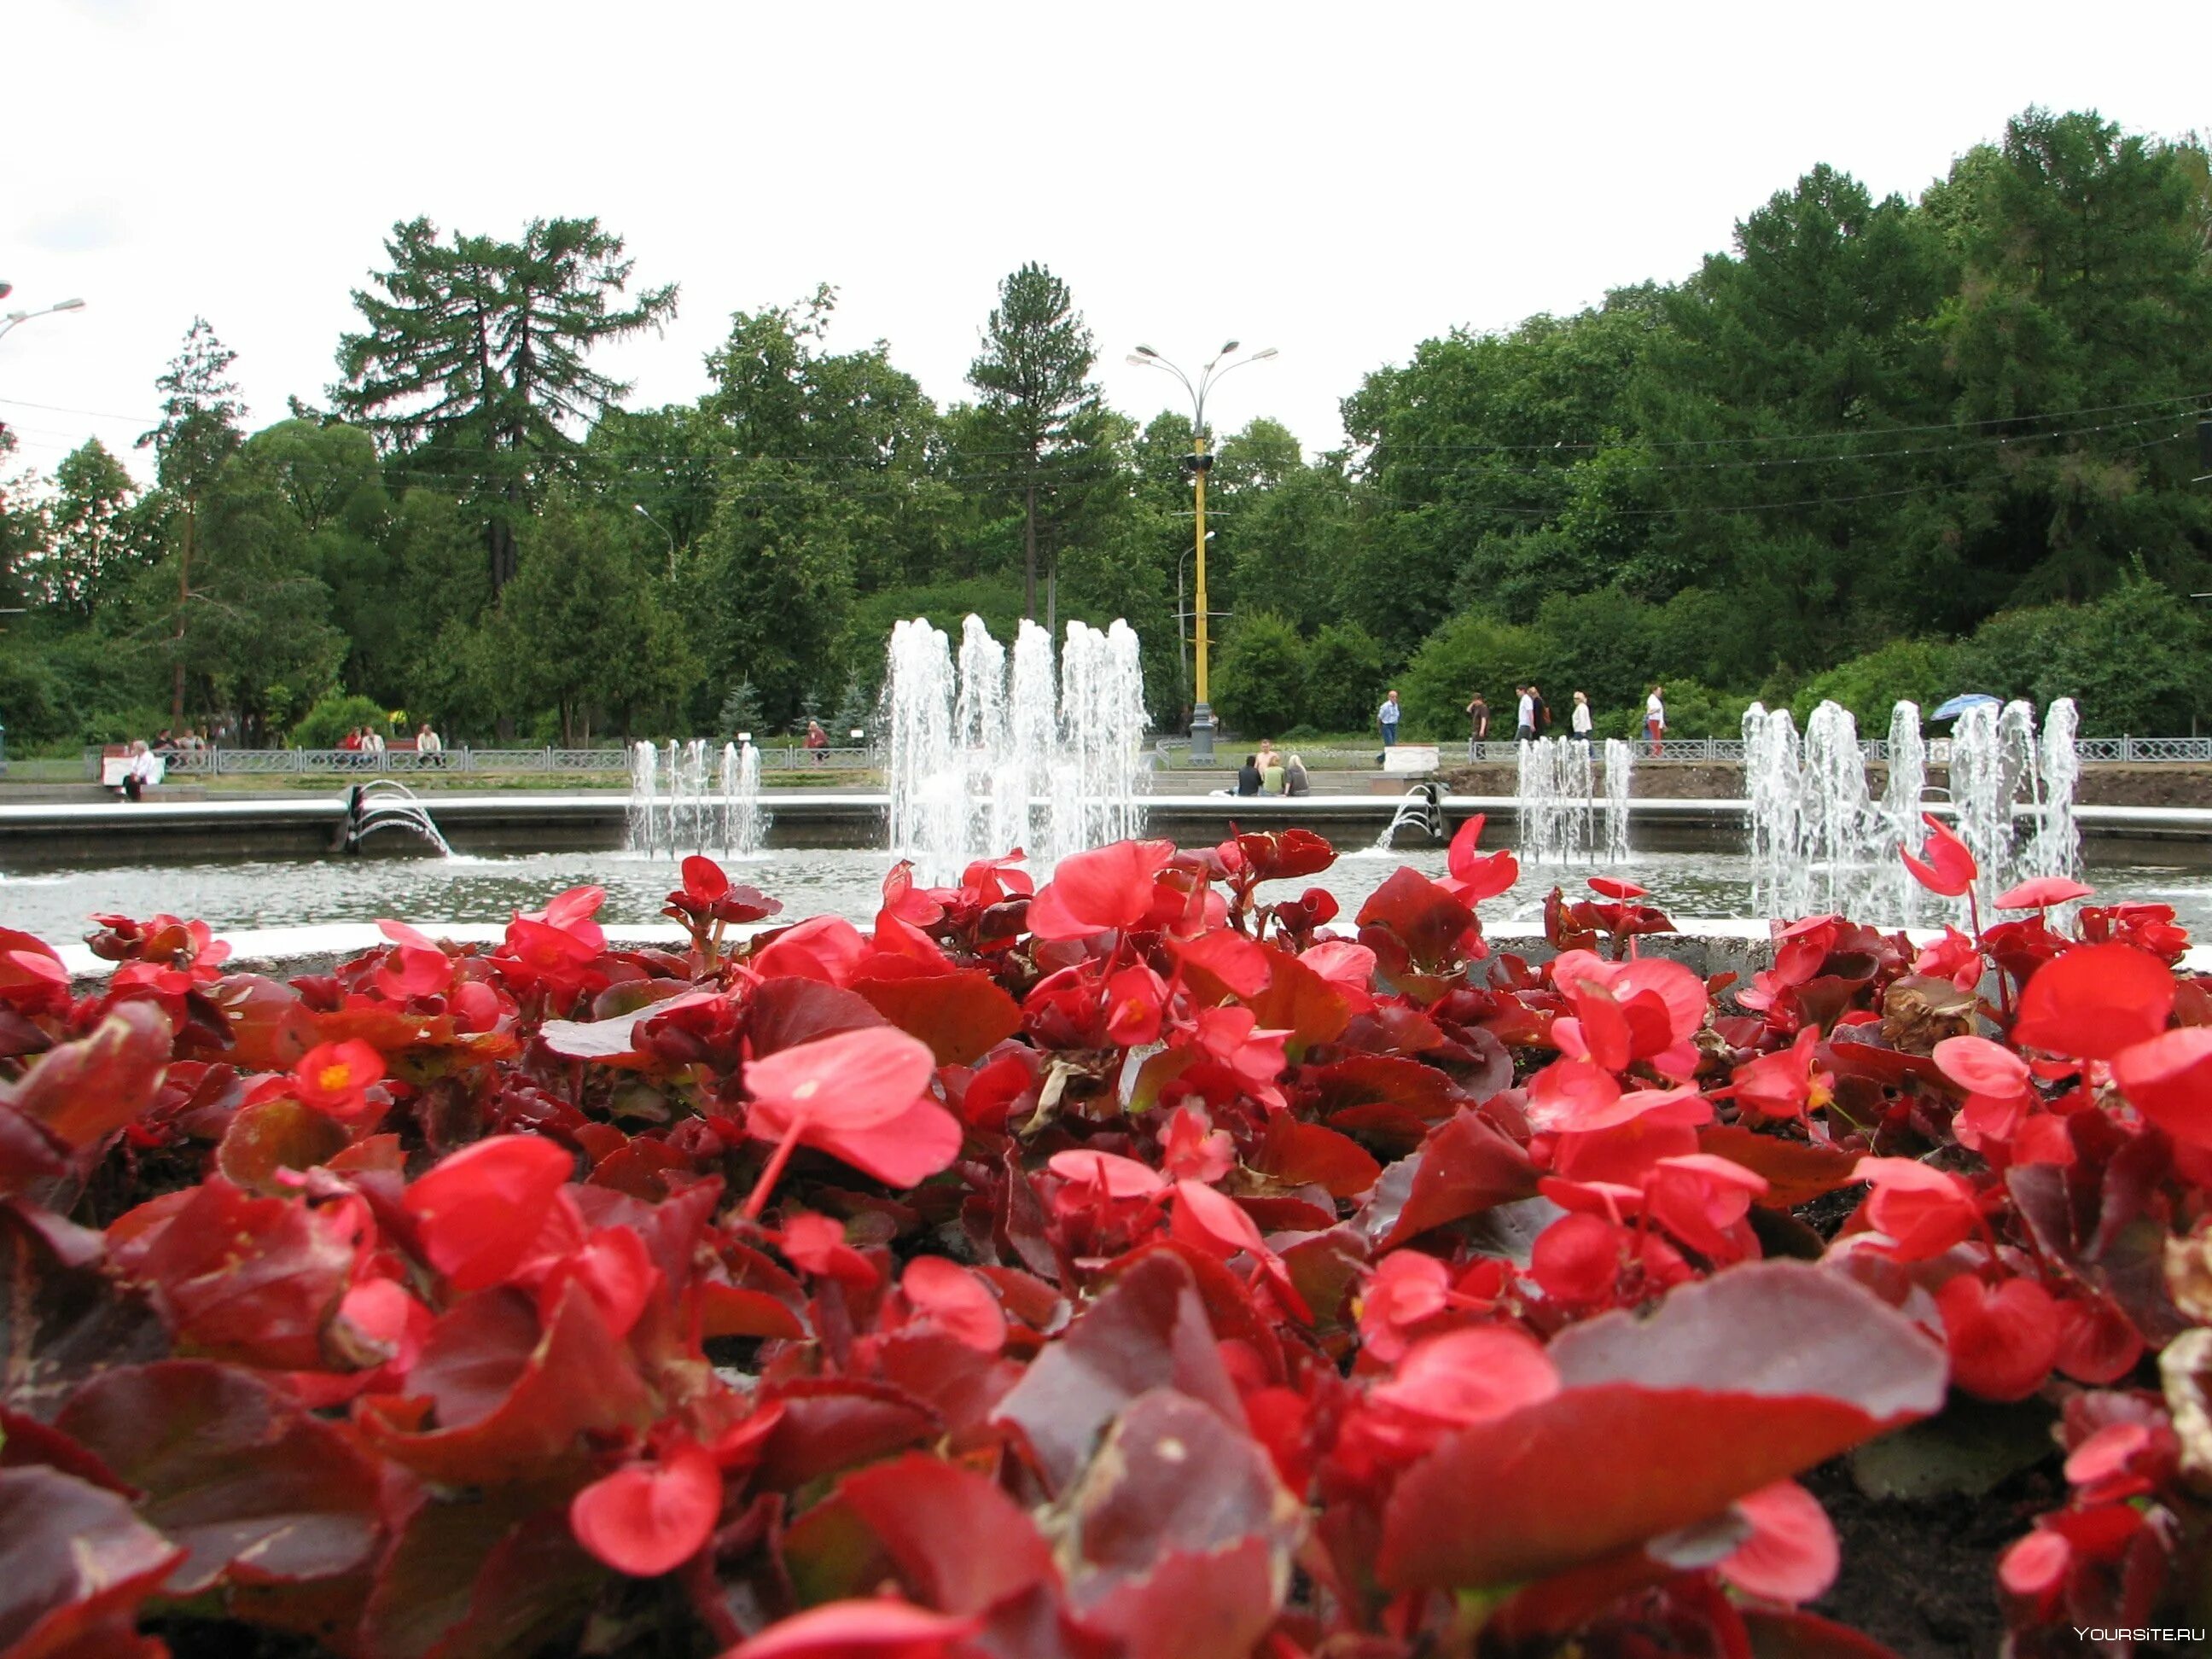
(1200, 462)
(12, 318)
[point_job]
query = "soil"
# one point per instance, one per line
(1921, 1577)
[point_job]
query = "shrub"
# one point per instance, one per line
(334, 716)
(1924, 672)
(1344, 678)
(1259, 680)
(2135, 660)
(1469, 654)
(972, 1287)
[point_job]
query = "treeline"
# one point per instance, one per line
(1880, 448)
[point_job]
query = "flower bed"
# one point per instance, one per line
(1135, 1266)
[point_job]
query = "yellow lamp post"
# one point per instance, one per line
(1199, 463)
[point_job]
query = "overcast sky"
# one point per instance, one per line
(1338, 181)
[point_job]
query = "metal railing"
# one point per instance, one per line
(1173, 753)
(461, 758)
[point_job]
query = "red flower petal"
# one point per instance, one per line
(2168, 1079)
(852, 1080)
(2035, 1564)
(650, 1518)
(1472, 1375)
(1982, 1067)
(480, 1210)
(1108, 887)
(2040, 892)
(2002, 1341)
(955, 1301)
(1791, 1554)
(2093, 1002)
(880, 1629)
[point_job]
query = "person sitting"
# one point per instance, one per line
(1271, 773)
(1294, 778)
(1248, 776)
(146, 767)
(351, 742)
(818, 743)
(427, 744)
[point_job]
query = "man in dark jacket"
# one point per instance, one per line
(1248, 776)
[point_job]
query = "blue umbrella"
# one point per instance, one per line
(1958, 705)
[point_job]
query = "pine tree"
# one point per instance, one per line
(1040, 405)
(473, 358)
(198, 435)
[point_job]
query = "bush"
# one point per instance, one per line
(1469, 654)
(1344, 678)
(1924, 672)
(565, 1297)
(2135, 660)
(1599, 643)
(1259, 680)
(332, 717)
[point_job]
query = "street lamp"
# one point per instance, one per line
(638, 507)
(15, 316)
(1200, 462)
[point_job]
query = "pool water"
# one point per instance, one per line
(299, 892)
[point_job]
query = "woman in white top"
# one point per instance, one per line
(1582, 718)
(1655, 718)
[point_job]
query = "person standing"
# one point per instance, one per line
(1525, 718)
(818, 743)
(1581, 720)
(1478, 726)
(1387, 718)
(1654, 717)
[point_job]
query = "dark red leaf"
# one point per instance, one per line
(962, 1017)
(75, 1564)
(1464, 1167)
(253, 1488)
(83, 1091)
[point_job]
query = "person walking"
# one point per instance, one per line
(1543, 708)
(1655, 718)
(1248, 776)
(1581, 720)
(1478, 726)
(1295, 782)
(1524, 727)
(1387, 718)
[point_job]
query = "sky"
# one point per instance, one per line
(1340, 182)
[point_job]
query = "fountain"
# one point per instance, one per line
(674, 810)
(385, 804)
(1819, 842)
(981, 757)
(1561, 818)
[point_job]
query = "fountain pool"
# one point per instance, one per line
(270, 893)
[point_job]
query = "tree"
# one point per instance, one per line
(198, 436)
(1037, 397)
(97, 545)
(473, 358)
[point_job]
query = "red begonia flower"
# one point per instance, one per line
(1982, 1067)
(884, 1628)
(1923, 1212)
(817, 1243)
(616, 1272)
(858, 1095)
(479, 1211)
(2093, 1002)
(334, 1077)
(650, 1518)
(1949, 868)
(1791, 1555)
(1472, 1375)
(2040, 892)
(2035, 1566)
(1577, 1258)
(2002, 1341)
(2168, 1079)
(1136, 1001)
(1475, 876)
(956, 1301)
(1107, 1174)
(1109, 887)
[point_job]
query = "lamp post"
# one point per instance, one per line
(1200, 462)
(15, 317)
(638, 507)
